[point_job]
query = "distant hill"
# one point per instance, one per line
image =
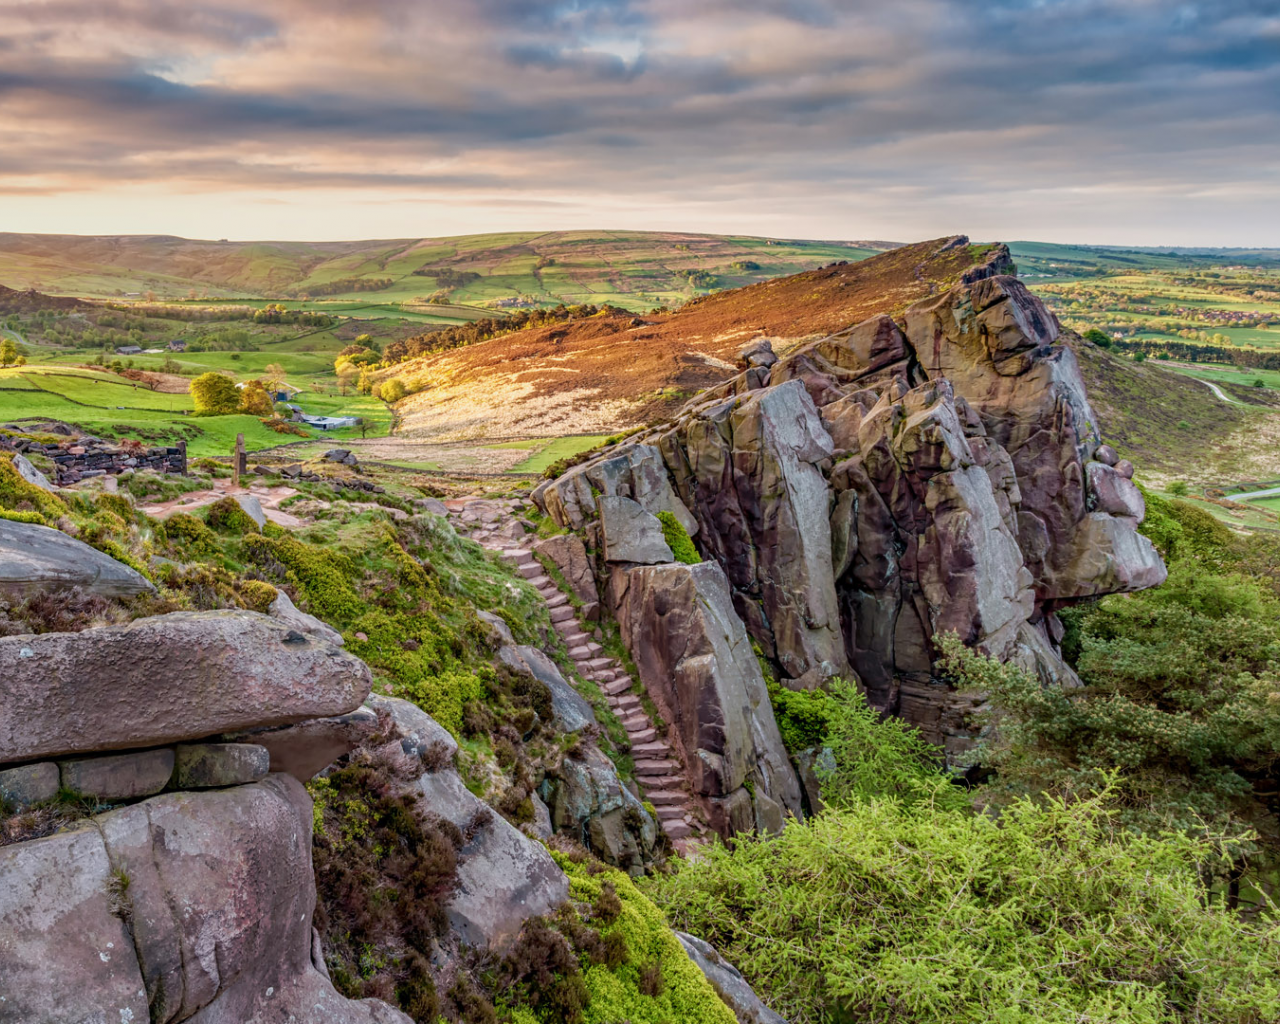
(604, 373)
(636, 269)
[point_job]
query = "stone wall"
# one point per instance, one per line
(81, 458)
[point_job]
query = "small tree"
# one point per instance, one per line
(364, 423)
(8, 352)
(214, 395)
(255, 400)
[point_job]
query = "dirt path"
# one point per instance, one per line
(1219, 392)
(269, 497)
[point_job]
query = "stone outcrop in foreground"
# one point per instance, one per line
(870, 490)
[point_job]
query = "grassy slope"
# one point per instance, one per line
(635, 268)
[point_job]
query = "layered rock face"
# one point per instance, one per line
(891, 482)
(192, 900)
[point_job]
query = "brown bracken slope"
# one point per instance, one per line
(608, 373)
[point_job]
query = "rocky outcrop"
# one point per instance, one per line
(586, 799)
(569, 555)
(504, 878)
(696, 661)
(570, 712)
(728, 982)
(165, 679)
(901, 478)
(186, 906)
(36, 559)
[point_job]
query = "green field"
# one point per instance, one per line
(561, 448)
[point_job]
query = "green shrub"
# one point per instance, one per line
(22, 517)
(257, 595)
(443, 696)
(802, 716)
(1051, 914)
(615, 993)
(321, 575)
(1179, 487)
(17, 495)
(187, 533)
(226, 516)
(678, 539)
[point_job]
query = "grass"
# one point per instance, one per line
(560, 448)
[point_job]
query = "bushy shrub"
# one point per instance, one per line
(226, 516)
(802, 716)
(391, 391)
(678, 539)
(258, 596)
(187, 533)
(1051, 914)
(17, 495)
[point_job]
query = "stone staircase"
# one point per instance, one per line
(658, 771)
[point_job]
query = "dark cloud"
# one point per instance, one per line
(936, 103)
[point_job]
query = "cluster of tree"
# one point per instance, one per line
(343, 285)
(1251, 358)
(490, 327)
(698, 278)
(11, 353)
(274, 313)
(447, 278)
(215, 394)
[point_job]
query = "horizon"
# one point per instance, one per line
(1146, 123)
(538, 232)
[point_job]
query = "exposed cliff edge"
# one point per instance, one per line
(936, 470)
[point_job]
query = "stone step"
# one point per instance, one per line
(652, 749)
(561, 614)
(579, 653)
(594, 648)
(656, 766)
(628, 704)
(538, 582)
(530, 569)
(676, 829)
(554, 598)
(566, 625)
(667, 798)
(670, 812)
(636, 721)
(517, 555)
(638, 737)
(615, 686)
(597, 664)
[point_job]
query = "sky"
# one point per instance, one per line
(1139, 122)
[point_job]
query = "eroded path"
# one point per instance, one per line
(269, 497)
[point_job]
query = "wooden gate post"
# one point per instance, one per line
(239, 462)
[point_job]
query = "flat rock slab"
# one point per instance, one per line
(166, 679)
(35, 559)
(211, 765)
(118, 776)
(309, 747)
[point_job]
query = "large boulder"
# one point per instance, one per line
(165, 679)
(571, 558)
(504, 878)
(586, 799)
(187, 906)
(30, 474)
(630, 533)
(65, 950)
(285, 611)
(570, 711)
(34, 559)
(696, 661)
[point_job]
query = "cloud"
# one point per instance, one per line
(890, 113)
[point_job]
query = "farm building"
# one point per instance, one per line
(330, 422)
(178, 345)
(129, 350)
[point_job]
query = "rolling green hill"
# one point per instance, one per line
(635, 269)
